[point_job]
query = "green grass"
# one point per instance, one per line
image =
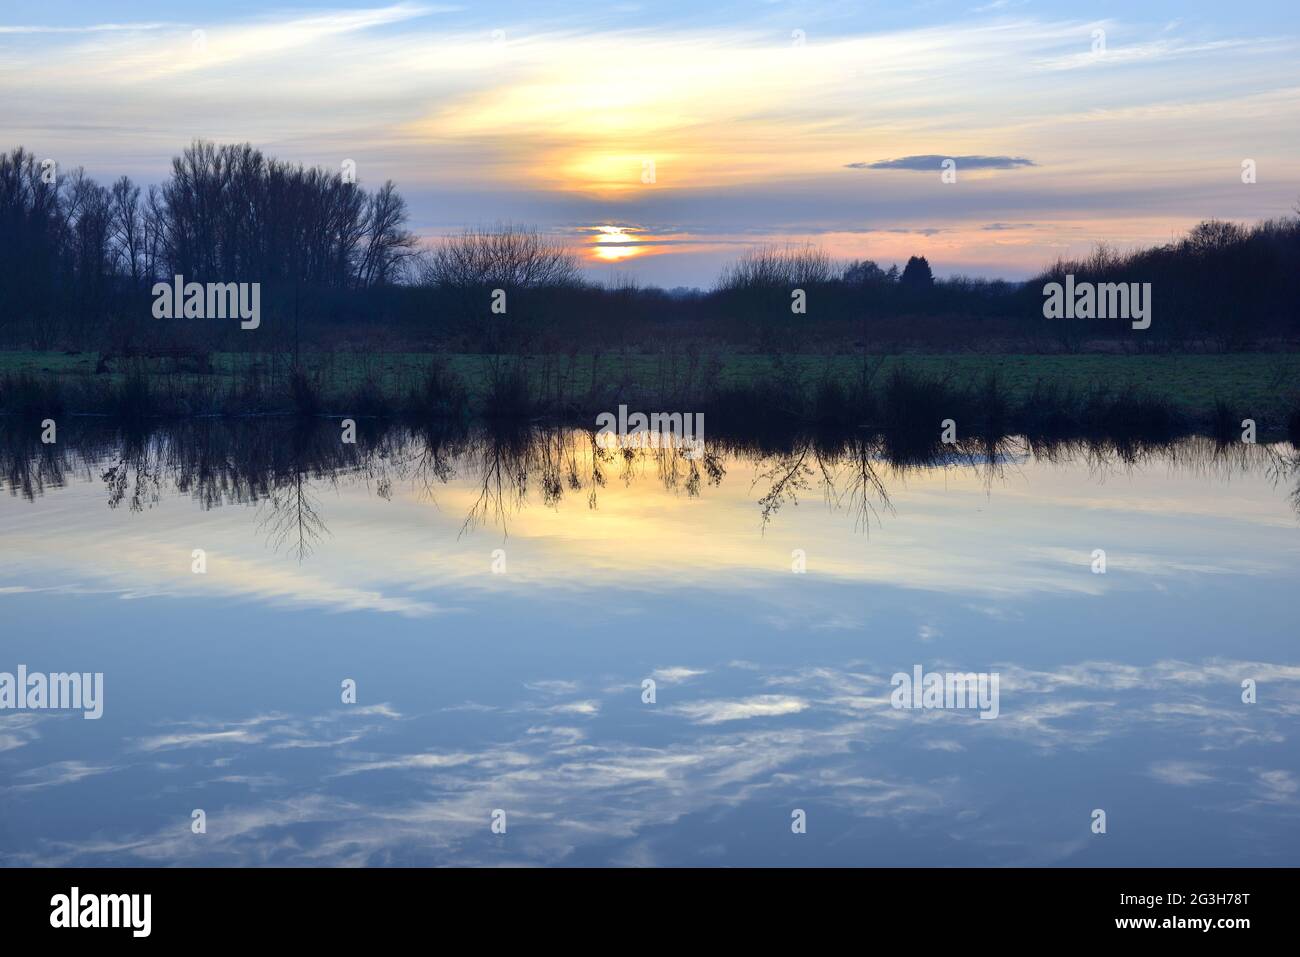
(1192, 382)
(1252, 383)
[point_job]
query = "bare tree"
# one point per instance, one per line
(779, 267)
(128, 230)
(506, 256)
(387, 243)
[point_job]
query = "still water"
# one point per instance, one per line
(638, 658)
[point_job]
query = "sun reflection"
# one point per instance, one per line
(615, 243)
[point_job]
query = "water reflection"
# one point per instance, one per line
(284, 465)
(523, 690)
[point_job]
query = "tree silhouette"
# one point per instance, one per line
(917, 274)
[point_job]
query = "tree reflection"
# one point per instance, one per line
(280, 466)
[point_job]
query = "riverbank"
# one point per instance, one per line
(1152, 394)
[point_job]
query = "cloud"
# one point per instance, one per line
(410, 762)
(1142, 53)
(1278, 786)
(933, 162)
(143, 567)
(198, 739)
(556, 687)
(675, 675)
(747, 132)
(588, 707)
(93, 28)
(580, 796)
(18, 728)
(1181, 773)
(61, 772)
(759, 706)
(275, 731)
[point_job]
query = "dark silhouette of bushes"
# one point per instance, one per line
(133, 400)
(1224, 286)
(502, 288)
(440, 394)
(26, 395)
(305, 393)
(508, 394)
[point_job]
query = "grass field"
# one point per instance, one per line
(1267, 381)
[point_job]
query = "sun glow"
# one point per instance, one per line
(614, 243)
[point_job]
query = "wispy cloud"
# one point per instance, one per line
(749, 134)
(758, 706)
(1182, 773)
(92, 28)
(1136, 53)
(61, 772)
(576, 792)
(676, 674)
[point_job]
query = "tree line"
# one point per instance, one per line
(339, 268)
(77, 258)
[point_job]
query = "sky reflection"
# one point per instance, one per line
(523, 690)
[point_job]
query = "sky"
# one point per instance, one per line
(665, 139)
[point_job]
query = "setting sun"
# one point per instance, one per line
(614, 243)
